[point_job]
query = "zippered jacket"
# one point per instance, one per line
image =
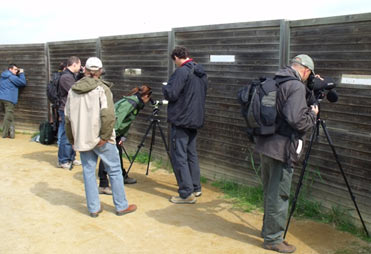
(186, 93)
(293, 109)
(89, 113)
(9, 84)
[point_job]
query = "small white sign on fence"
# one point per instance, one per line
(356, 79)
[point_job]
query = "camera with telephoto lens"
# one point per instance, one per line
(319, 88)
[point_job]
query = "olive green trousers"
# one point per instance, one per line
(8, 122)
(276, 177)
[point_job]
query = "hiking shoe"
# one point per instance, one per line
(76, 163)
(105, 190)
(191, 199)
(283, 247)
(197, 193)
(129, 180)
(130, 209)
(95, 215)
(67, 165)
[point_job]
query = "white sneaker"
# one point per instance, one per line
(197, 193)
(77, 163)
(66, 165)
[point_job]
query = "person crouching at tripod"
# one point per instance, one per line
(186, 93)
(126, 110)
(90, 120)
(280, 150)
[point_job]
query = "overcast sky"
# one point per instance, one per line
(38, 21)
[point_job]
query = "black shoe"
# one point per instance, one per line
(129, 180)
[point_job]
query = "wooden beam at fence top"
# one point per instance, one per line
(134, 36)
(229, 26)
(331, 20)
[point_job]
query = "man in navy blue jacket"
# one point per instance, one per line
(10, 81)
(186, 93)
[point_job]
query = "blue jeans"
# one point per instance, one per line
(110, 157)
(65, 150)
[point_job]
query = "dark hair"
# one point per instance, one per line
(142, 90)
(180, 52)
(72, 59)
(11, 66)
(62, 65)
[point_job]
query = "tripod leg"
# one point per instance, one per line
(342, 172)
(164, 140)
(300, 182)
(126, 153)
(152, 143)
(139, 147)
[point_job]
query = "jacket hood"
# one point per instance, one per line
(288, 72)
(6, 74)
(87, 84)
(198, 69)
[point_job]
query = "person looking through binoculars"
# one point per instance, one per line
(126, 110)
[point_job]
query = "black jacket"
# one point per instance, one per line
(186, 93)
(66, 81)
(292, 107)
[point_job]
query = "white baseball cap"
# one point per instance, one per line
(93, 63)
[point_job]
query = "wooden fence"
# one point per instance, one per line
(233, 55)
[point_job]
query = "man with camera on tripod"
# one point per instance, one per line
(186, 93)
(280, 150)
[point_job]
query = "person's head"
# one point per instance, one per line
(74, 64)
(144, 92)
(93, 67)
(13, 68)
(179, 55)
(62, 66)
(304, 65)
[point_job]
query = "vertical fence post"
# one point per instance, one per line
(98, 48)
(284, 43)
(171, 44)
(47, 74)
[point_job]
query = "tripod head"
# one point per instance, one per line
(156, 104)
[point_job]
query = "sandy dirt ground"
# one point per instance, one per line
(43, 210)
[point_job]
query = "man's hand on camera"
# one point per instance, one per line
(314, 109)
(318, 76)
(21, 70)
(102, 142)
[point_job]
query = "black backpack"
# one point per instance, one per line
(259, 106)
(46, 133)
(53, 88)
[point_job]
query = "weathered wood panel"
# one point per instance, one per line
(60, 51)
(223, 147)
(149, 53)
(338, 46)
(32, 106)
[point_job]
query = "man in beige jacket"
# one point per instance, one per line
(90, 119)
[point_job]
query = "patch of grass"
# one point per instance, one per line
(247, 198)
(354, 247)
(204, 180)
(35, 134)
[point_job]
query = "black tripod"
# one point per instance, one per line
(314, 136)
(154, 122)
